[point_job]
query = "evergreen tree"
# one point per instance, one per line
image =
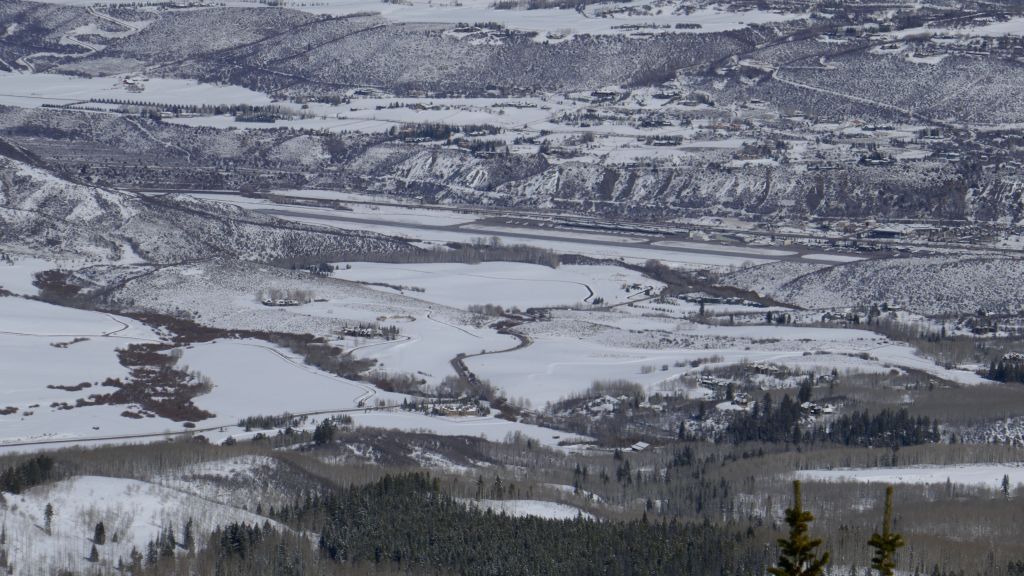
(99, 535)
(1009, 368)
(806, 388)
(48, 518)
(167, 542)
(797, 556)
(324, 433)
(1005, 485)
(136, 558)
(886, 543)
(94, 554)
(30, 473)
(188, 539)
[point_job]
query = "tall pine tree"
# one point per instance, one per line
(189, 539)
(886, 543)
(797, 556)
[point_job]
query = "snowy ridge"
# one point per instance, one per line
(41, 210)
(134, 510)
(941, 283)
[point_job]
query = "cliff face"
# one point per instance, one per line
(920, 191)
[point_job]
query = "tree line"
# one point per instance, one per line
(1009, 368)
(24, 475)
(407, 524)
(888, 428)
(798, 554)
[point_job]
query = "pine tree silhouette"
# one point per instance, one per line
(48, 518)
(188, 540)
(797, 557)
(886, 543)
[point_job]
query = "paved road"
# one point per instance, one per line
(172, 434)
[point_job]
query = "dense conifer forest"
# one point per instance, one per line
(407, 524)
(859, 428)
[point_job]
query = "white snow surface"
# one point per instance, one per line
(503, 283)
(17, 277)
(34, 318)
(33, 90)
(575, 349)
(987, 475)
(30, 333)
(1012, 27)
(135, 510)
(487, 427)
(251, 377)
(552, 24)
(538, 508)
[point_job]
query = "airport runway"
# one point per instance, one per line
(597, 238)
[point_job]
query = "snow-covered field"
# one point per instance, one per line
(17, 276)
(375, 115)
(538, 508)
(569, 354)
(651, 343)
(487, 427)
(554, 24)
(1011, 27)
(987, 475)
(33, 90)
(427, 344)
(556, 367)
(506, 284)
(252, 377)
(838, 258)
(39, 347)
(249, 377)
